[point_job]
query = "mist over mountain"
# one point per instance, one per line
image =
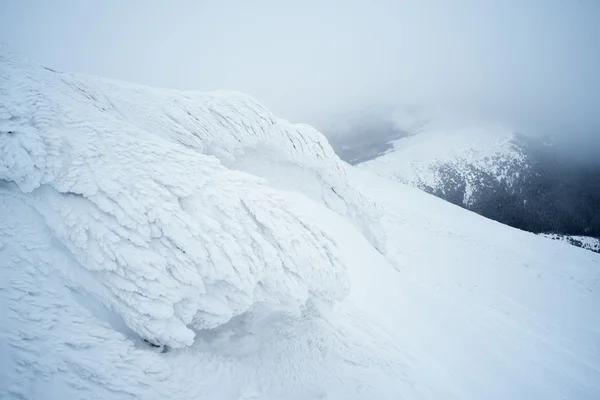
(541, 183)
(548, 193)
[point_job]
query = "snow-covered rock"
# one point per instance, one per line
(241, 133)
(173, 239)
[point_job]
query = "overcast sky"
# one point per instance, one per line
(533, 60)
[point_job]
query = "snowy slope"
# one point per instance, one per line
(523, 181)
(428, 158)
(256, 264)
(490, 311)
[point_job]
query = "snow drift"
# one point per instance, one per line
(257, 263)
(161, 227)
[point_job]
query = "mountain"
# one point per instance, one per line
(158, 244)
(518, 180)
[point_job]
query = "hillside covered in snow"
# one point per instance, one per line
(518, 180)
(157, 244)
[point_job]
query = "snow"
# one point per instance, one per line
(257, 263)
(152, 220)
(585, 242)
(495, 312)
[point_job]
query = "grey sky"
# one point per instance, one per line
(535, 61)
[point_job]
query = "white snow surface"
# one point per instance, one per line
(261, 265)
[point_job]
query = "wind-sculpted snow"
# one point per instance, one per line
(177, 241)
(242, 134)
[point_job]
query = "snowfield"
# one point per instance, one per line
(158, 244)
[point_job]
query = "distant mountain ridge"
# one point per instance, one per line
(518, 180)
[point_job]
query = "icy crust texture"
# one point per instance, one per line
(170, 239)
(243, 135)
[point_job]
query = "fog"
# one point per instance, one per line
(534, 63)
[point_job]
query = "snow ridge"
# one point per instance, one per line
(243, 135)
(173, 254)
